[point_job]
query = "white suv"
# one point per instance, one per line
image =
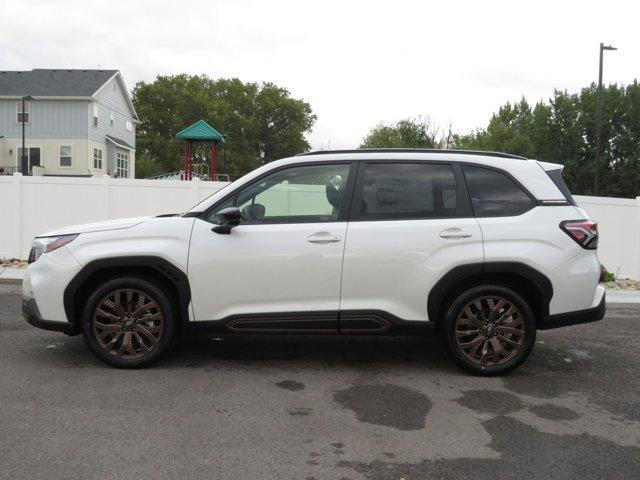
(486, 247)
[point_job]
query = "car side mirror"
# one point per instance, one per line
(228, 218)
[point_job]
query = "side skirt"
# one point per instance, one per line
(350, 322)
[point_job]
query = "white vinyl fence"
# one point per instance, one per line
(33, 205)
(619, 226)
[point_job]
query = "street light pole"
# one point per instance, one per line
(23, 160)
(599, 118)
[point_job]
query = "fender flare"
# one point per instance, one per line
(460, 274)
(165, 269)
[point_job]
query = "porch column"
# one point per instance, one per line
(186, 156)
(214, 161)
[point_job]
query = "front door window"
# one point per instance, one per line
(300, 194)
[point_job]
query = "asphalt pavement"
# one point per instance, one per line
(297, 407)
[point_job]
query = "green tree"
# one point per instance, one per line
(408, 133)
(508, 131)
(563, 130)
(258, 121)
(146, 167)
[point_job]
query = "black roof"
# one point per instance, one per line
(416, 150)
(53, 83)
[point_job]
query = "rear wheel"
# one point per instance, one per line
(489, 330)
(128, 322)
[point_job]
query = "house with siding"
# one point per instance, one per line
(76, 123)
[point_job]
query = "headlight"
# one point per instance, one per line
(42, 245)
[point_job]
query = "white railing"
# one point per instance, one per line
(32, 205)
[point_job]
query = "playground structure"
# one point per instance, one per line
(201, 132)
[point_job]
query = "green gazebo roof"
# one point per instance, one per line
(200, 130)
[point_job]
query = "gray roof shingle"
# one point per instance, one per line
(120, 142)
(53, 83)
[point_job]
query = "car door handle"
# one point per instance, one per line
(454, 232)
(322, 237)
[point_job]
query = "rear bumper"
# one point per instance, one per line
(32, 315)
(574, 318)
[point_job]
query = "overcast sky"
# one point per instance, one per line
(356, 63)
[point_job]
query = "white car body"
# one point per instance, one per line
(342, 271)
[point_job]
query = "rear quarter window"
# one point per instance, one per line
(495, 194)
(556, 178)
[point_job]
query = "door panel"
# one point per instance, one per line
(284, 259)
(411, 224)
(392, 265)
(264, 268)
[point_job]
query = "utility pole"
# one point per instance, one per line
(23, 160)
(24, 164)
(599, 118)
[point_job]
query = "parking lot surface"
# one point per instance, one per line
(298, 407)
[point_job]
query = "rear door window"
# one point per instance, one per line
(405, 191)
(495, 194)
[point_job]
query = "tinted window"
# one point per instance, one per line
(395, 191)
(298, 194)
(556, 177)
(494, 194)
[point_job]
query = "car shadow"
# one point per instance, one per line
(280, 351)
(323, 350)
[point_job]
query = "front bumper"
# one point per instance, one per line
(574, 318)
(32, 315)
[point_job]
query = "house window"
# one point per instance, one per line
(95, 115)
(65, 156)
(111, 119)
(97, 158)
(21, 114)
(129, 126)
(122, 165)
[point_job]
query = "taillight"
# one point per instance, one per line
(584, 232)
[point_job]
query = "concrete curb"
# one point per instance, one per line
(11, 275)
(623, 296)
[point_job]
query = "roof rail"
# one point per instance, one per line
(415, 150)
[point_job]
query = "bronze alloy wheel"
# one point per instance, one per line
(128, 323)
(490, 330)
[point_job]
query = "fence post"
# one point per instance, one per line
(17, 181)
(106, 189)
(195, 190)
(637, 242)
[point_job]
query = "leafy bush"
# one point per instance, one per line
(608, 276)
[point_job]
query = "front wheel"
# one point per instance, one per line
(489, 330)
(128, 322)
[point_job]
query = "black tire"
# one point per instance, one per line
(460, 330)
(149, 327)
